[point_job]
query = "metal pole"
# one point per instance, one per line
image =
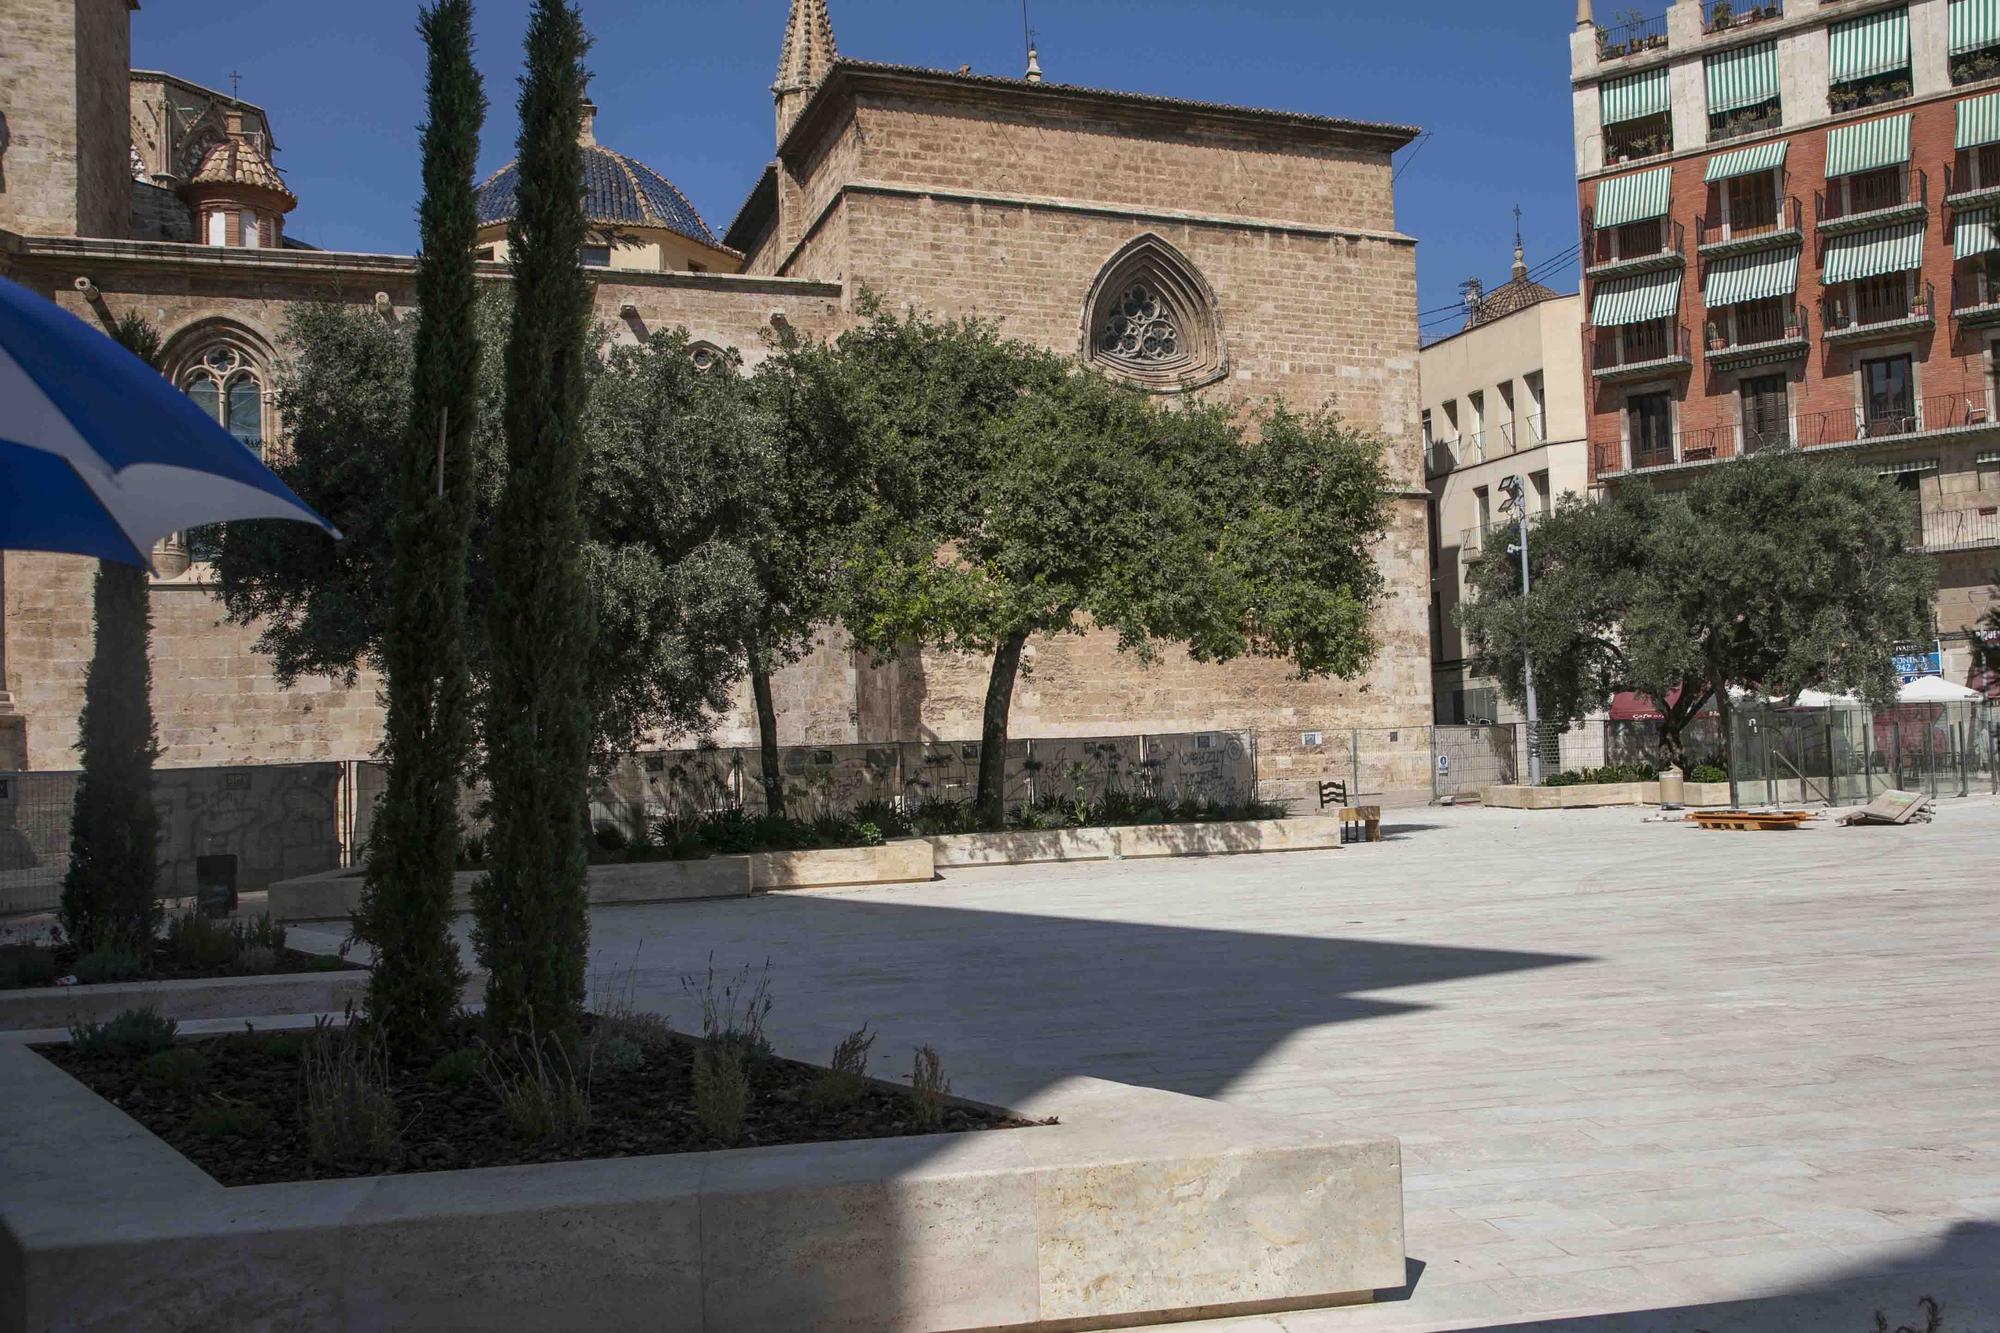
(1517, 496)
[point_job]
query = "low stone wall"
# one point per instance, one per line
(905, 861)
(1137, 1206)
(1700, 795)
(335, 896)
(1311, 833)
(206, 997)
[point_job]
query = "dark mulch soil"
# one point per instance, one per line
(255, 1078)
(164, 965)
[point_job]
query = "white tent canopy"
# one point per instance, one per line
(1821, 699)
(1935, 690)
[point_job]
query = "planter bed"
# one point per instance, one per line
(186, 998)
(1137, 1203)
(335, 895)
(1309, 833)
(1584, 795)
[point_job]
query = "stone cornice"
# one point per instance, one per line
(270, 263)
(1058, 204)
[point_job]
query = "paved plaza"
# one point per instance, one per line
(1635, 1067)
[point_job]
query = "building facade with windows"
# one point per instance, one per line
(1185, 247)
(1501, 396)
(1790, 218)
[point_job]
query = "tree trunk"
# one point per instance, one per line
(993, 732)
(767, 734)
(1721, 691)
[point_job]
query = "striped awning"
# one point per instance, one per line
(1636, 198)
(1864, 47)
(1905, 465)
(1744, 77)
(1975, 233)
(1978, 121)
(1974, 24)
(1870, 254)
(1871, 144)
(1636, 300)
(1986, 456)
(1751, 277)
(1635, 95)
(1764, 157)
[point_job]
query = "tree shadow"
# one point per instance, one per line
(1960, 1274)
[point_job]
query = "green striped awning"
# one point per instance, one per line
(1975, 233)
(1864, 47)
(1870, 254)
(1636, 300)
(1871, 144)
(1635, 95)
(1978, 121)
(1906, 465)
(1744, 77)
(1636, 198)
(1764, 157)
(1974, 24)
(1986, 457)
(1751, 277)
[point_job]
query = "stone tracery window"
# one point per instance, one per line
(1151, 319)
(220, 367)
(706, 356)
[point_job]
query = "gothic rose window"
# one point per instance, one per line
(1151, 319)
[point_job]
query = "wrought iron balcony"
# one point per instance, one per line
(1632, 38)
(1756, 341)
(1441, 456)
(1700, 444)
(1531, 433)
(1938, 414)
(1959, 529)
(1641, 248)
(1716, 239)
(1848, 318)
(1975, 299)
(1973, 189)
(1723, 16)
(1859, 209)
(1656, 348)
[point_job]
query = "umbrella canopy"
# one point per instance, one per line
(1934, 690)
(1821, 699)
(101, 456)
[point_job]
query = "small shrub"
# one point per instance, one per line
(540, 1095)
(225, 1120)
(198, 943)
(1708, 773)
(733, 1013)
(280, 1045)
(928, 1088)
(177, 1067)
(257, 960)
(457, 1069)
(609, 836)
(101, 966)
(27, 965)
(622, 1055)
(349, 1116)
(326, 962)
(1610, 773)
(847, 1075)
(136, 1032)
(721, 1092)
(262, 933)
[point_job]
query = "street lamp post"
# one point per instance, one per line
(1517, 504)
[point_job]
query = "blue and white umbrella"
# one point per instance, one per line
(101, 456)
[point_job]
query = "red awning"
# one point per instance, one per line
(1632, 706)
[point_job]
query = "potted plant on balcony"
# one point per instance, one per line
(1920, 306)
(1715, 343)
(1720, 15)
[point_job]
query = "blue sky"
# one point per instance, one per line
(684, 86)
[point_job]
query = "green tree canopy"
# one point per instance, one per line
(1775, 574)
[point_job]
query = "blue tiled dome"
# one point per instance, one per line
(617, 192)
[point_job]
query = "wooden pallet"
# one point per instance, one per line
(1752, 820)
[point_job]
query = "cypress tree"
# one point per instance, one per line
(531, 924)
(108, 897)
(405, 910)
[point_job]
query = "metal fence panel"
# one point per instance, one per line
(1466, 758)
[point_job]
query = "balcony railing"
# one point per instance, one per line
(1700, 444)
(1973, 186)
(1864, 314)
(1975, 299)
(1865, 205)
(1723, 16)
(1938, 414)
(1646, 348)
(1884, 422)
(1632, 38)
(1527, 435)
(1785, 226)
(1474, 540)
(1727, 125)
(1960, 529)
(1764, 336)
(1440, 456)
(1640, 247)
(1473, 447)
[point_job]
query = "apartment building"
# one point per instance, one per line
(1501, 396)
(1791, 227)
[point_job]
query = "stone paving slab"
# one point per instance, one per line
(1646, 1077)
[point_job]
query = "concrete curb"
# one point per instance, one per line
(1310, 833)
(1139, 1203)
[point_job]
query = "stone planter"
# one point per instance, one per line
(204, 997)
(1138, 1206)
(1695, 794)
(1314, 833)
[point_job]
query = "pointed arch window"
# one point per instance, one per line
(222, 369)
(1151, 319)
